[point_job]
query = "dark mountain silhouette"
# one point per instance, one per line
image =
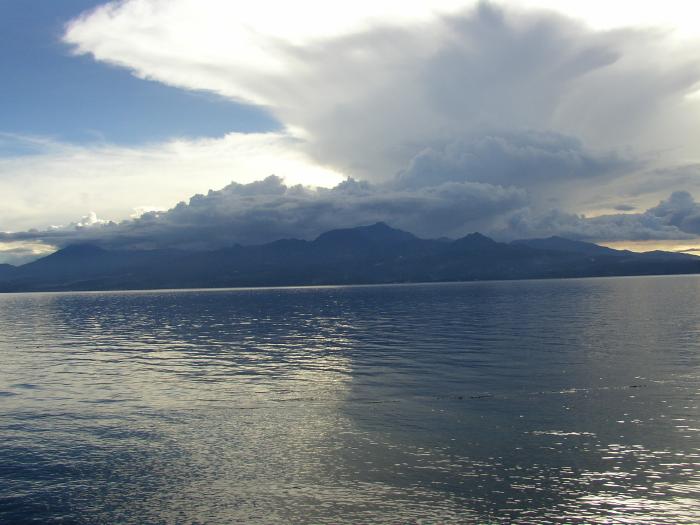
(379, 233)
(561, 244)
(6, 271)
(364, 255)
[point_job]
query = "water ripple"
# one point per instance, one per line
(525, 402)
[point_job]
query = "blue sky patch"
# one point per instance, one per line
(46, 91)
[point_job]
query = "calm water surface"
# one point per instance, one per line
(569, 401)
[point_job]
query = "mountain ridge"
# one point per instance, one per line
(372, 254)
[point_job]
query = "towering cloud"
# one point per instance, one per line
(367, 97)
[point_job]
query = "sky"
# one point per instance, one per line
(203, 123)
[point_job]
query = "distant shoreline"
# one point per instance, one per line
(333, 286)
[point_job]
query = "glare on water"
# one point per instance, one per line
(528, 402)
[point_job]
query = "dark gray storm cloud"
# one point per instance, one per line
(535, 160)
(269, 210)
(677, 217)
(680, 210)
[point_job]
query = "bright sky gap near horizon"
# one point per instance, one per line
(513, 118)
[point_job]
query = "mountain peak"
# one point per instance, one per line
(379, 232)
(476, 239)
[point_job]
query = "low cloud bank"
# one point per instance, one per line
(268, 210)
(677, 217)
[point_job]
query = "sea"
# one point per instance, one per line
(535, 402)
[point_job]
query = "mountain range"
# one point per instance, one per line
(364, 255)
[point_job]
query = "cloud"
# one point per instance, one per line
(268, 210)
(679, 210)
(59, 181)
(675, 218)
(549, 165)
(369, 95)
(20, 252)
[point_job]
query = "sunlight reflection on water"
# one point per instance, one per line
(529, 402)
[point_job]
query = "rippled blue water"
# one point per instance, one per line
(570, 401)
